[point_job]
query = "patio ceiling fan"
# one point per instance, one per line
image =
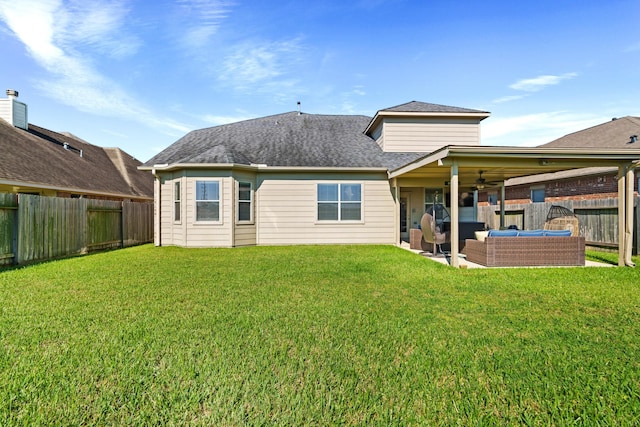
(482, 183)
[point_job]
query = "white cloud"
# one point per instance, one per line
(508, 99)
(57, 33)
(200, 20)
(97, 24)
(254, 64)
(538, 83)
(534, 129)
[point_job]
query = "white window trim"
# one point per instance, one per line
(340, 221)
(173, 201)
(250, 201)
(195, 202)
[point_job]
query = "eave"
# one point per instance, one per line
(381, 115)
(259, 167)
(502, 163)
(76, 190)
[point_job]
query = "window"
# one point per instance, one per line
(207, 201)
(537, 194)
(492, 198)
(245, 196)
(176, 201)
(432, 196)
(340, 202)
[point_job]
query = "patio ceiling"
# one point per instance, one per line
(502, 163)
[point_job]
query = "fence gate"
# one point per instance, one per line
(8, 227)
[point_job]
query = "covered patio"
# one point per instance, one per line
(457, 169)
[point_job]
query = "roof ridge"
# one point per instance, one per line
(634, 119)
(115, 155)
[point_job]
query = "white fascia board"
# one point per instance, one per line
(319, 169)
(257, 167)
(165, 167)
(436, 156)
(445, 155)
(380, 115)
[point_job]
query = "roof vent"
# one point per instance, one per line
(633, 138)
(12, 93)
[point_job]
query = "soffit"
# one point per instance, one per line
(502, 163)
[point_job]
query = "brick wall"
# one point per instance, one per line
(581, 188)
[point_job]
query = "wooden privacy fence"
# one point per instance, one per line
(36, 228)
(598, 218)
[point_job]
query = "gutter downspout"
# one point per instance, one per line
(157, 226)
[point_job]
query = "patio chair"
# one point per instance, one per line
(561, 218)
(432, 234)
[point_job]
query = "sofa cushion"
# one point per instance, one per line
(480, 235)
(531, 233)
(502, 233)
(557, 232)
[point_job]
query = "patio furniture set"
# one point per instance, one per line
(558, 244)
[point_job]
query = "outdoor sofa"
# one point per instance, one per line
(526, 248)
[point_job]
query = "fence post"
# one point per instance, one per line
(15, 231)
(121, 224)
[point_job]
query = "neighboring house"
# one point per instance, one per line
(299, 178)
(39, 161)
(577, 184)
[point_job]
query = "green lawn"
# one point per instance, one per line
(346, 335)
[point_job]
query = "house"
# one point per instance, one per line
(577, 184)
(36, 160)
(298, 178)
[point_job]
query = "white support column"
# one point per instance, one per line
(157, 209)
(628, 246)
(502, 207)
(455, 216)
(622, 211)
(396, 215)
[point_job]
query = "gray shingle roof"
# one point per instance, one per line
(38, 157)
(612, 134)
(424, 107)
(286, 140)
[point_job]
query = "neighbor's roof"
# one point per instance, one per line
(612, 134)
(284, 140)
(37, 157)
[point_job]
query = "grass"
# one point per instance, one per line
(347, 335)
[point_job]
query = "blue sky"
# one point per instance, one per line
(139, 74)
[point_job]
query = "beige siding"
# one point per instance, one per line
(5, 110)
(188, 232)
(376, 134)
(209, 234)
(428, 134)
(168, 235)
(14, 112)
(245, 233)
(287, 211)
